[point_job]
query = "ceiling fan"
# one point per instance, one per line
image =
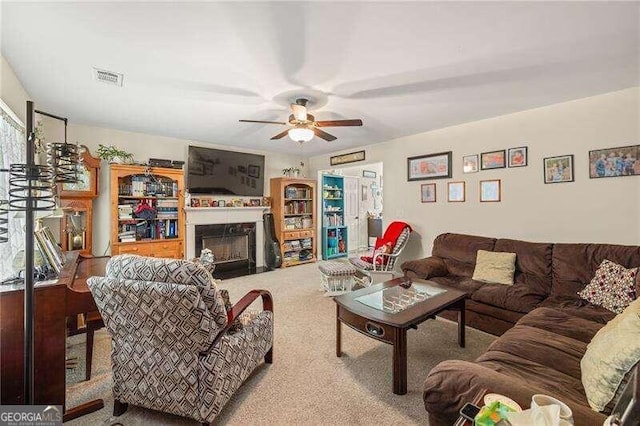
(303, 126)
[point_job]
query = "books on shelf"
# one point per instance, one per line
(50, 250)
(292, 192)
(332, 220)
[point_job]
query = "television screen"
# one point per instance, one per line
(220, 172)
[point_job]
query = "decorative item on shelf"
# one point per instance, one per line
(291, 172)
(112, 154)
(266, 201)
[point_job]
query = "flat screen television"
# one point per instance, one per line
(220, 172)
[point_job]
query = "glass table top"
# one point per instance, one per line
(398, 298)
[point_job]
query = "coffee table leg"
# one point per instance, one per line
(338, 333)
(400, 362)
(461, 323)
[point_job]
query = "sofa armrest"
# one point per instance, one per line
(425, 268)
(452, 383)
(239, 308)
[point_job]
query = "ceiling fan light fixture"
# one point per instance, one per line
(301, 134)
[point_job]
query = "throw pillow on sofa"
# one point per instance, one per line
(613, 287)
(495, 267)
(610, 355)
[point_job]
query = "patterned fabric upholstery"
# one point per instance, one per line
(132, 267)
(162, 336)
(336, 269)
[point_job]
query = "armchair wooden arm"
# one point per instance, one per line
(238, 309)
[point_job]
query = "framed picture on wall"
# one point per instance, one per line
(430, 166)
(614, 162)
(369, 174)
(558, 169)
(517, 156)
(428, 192)
(470, 163)
(456, 192)
(493, 160)
(490, 191)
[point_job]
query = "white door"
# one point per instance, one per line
(352, 211)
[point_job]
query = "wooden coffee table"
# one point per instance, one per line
(391, 328)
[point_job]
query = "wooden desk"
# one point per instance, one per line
(53, 302)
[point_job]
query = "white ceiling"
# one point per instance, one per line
(192, 70)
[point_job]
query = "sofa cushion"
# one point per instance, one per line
(613, 287)
(579, 308)
(533, 263)
(612, 352)
(461, 283)
(562, 323)
(459, 251)
(517, 297)
(494, 267)
(574, 265)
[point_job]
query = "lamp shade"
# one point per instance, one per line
(301, 134)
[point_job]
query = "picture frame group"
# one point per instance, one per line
(499, 159)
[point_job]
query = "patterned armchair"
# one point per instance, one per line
(171, 349)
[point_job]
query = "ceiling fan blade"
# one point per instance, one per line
(324, 135)
(260, 121)
(338, 123)
(299, 112)
(280, 135)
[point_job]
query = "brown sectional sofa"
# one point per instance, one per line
(544, 325)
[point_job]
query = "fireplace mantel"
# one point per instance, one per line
(220, 215)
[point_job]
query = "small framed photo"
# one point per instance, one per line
(195, 202)
(222, 203)
(254, 171)
(558, 169)
(493, 160)
(470, 163)
(428, 192)
(213, 203)
(614, 162)
(369, 174)
(255, 202)
(490, 191)
(430, 166)
(517, 156)
(456, 192)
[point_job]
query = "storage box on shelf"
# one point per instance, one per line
(293, 207)
(334, 230)
(147, 211)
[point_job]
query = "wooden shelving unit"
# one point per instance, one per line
(334, 230)
(162, 190)
(293, 206)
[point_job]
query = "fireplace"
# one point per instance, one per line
(233, 246)
(217, 225)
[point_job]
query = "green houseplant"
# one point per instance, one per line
(114, 155)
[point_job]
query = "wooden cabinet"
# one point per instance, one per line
(147, 211)
(293, 206)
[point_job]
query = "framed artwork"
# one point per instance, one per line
(490, 191)
(428, 192)
(254, 171)
(369, 174)
(517, 156)
(242, 169)
(195, 202)
(430, 166)
(222, 203)
(558, 169)
(351, 157)
(493, 160)
(470, 163)
(614, 162)
(456, 192)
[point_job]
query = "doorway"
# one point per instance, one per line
(363, 204)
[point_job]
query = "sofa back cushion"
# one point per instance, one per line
(574, 265)
(459, 251)
(533, 263)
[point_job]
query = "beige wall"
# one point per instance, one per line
(142, 146)
(587, 210)
(11, 90)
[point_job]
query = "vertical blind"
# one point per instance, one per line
(12, 150)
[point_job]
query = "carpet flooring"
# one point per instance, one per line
(307, 383)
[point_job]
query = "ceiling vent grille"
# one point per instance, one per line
(108, 77)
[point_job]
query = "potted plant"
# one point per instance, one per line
(114, 155)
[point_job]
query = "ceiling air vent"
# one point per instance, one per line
(108, 77)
